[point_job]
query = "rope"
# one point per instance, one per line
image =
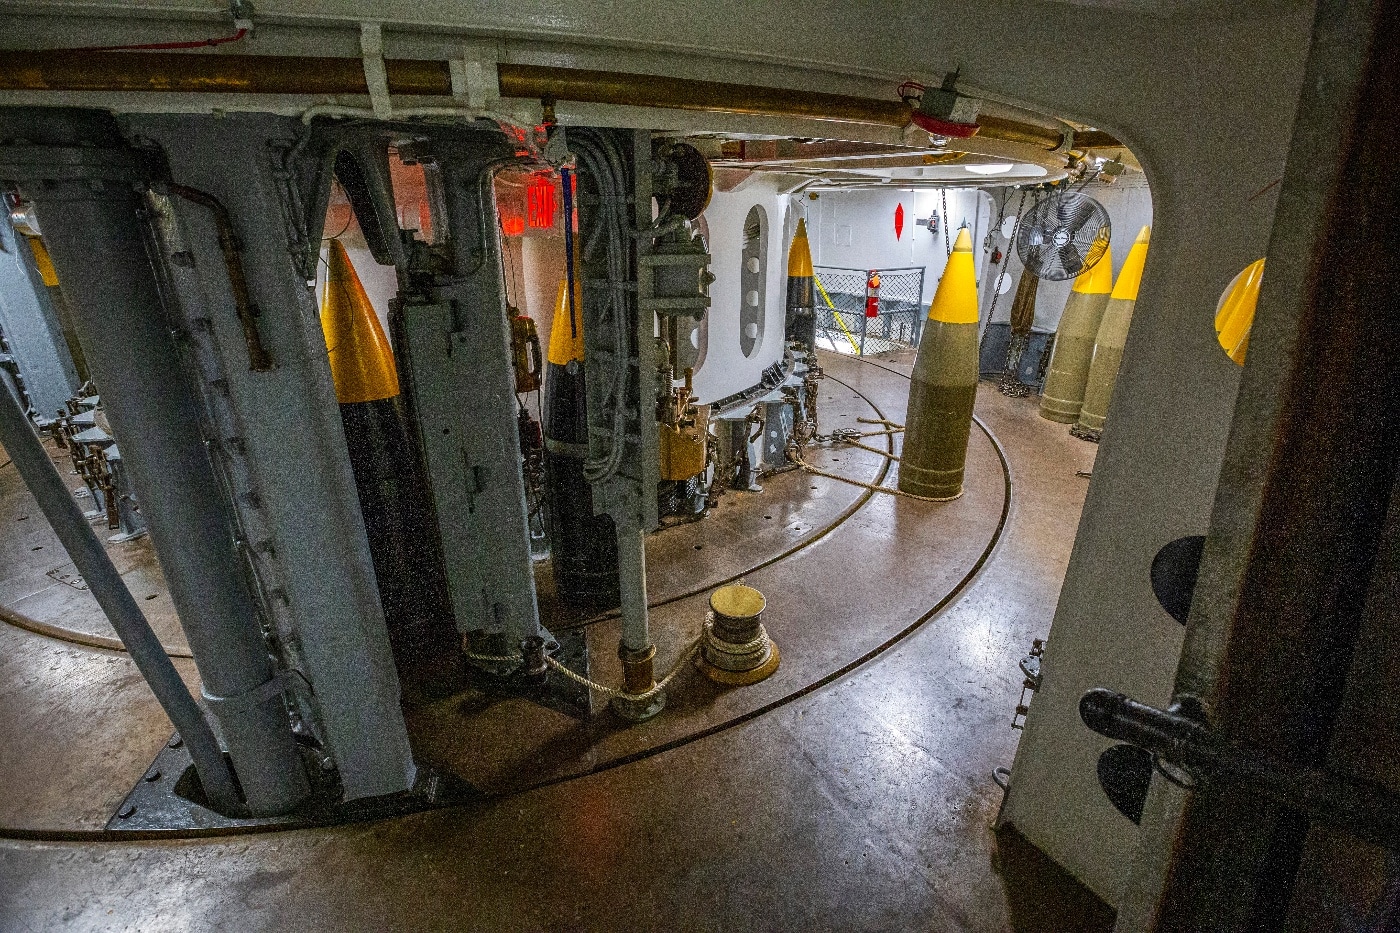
(727, 647)
(596, 687)
(494, 658)
(851, 442)
(734, 656)
(795, 456)
(660, 685)
(849, 436)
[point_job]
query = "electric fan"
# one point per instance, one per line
(1062, 235)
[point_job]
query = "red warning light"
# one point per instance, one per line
(898, 221)
(539, 202)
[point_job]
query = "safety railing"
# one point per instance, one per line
(849, 321)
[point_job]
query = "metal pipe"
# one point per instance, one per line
(181, 72)
(1014, 131)
(105, 583)
(232, 250)
(86, 199)
(177, 72)
(632, 579)
(639, 90)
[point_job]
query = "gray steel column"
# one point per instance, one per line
(632, 580)
(58, 506)
(283, 444)
(75, 169)
(461, 385)
(32, 328)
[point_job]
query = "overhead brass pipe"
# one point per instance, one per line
(1014, 131)
(1095, 139)
(638, 90)
(175, 72)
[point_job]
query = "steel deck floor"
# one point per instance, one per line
(862, 805)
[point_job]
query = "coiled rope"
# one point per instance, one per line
(794, 453)
(593, 685)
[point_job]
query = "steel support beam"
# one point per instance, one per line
(76, 169)
(281, 442)
(619, 328)
(111, 593)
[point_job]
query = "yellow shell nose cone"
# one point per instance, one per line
(1130, 276)
(566, 335)
(1235, 314)
(362, 361)
(800, 253)
(1096, 280)
(42, 262)
(955, 301)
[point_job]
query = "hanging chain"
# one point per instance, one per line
(947, 245)
(989, 242)
(996, 283)
(1011, 385)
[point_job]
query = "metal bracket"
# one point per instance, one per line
(1182, 742)
(474, 79)
(278, 685)
(376, 75)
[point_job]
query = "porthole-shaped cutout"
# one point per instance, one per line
(1234, 314)
(698, 338)
(753, 281)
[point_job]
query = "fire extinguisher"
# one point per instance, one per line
(872, 295)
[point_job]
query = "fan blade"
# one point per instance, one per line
(1099, 248)
(1079, 216)
(1087, 238)
(1071, 259)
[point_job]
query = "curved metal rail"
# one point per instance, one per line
(401, 807)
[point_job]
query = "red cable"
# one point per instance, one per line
(159, 46)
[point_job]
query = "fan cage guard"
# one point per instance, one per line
(1063, 235)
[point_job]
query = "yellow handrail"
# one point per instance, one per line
(836, 314)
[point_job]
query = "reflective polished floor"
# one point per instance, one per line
(863, 804)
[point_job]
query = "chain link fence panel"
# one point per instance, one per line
(842, 323)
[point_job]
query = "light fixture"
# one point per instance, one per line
(990, 168)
